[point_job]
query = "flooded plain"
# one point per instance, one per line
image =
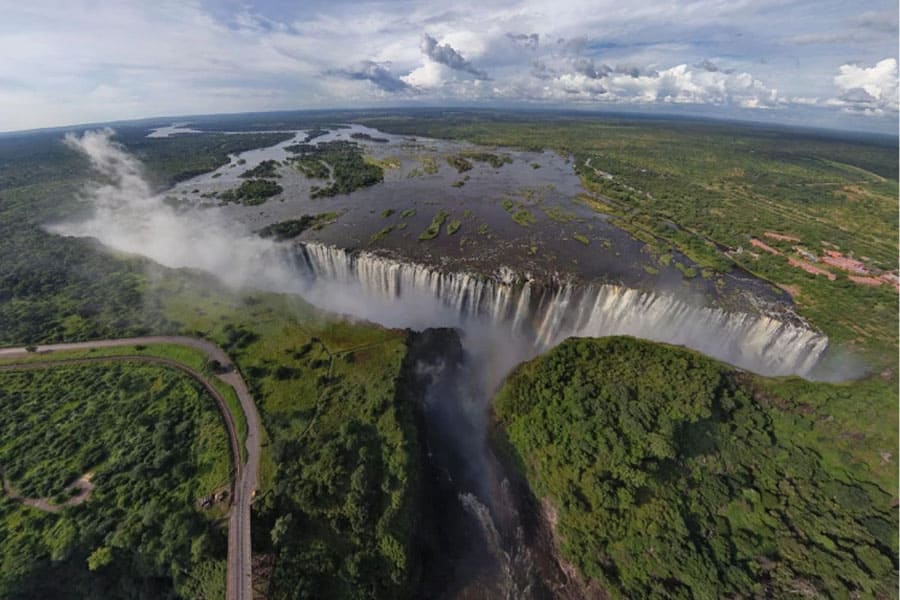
(523, 215)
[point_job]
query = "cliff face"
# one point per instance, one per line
(545, 313)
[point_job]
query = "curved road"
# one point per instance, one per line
(240, 579)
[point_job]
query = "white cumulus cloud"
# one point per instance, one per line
(872, 89)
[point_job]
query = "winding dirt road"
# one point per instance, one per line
(240, 578)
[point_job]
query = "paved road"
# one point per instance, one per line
(240, 578)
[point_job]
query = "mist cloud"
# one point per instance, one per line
(129, 217)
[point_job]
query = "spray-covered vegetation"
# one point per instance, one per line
(152, 444)
(335, 514)
(667, 474)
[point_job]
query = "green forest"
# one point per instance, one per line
(315, 381)
(155, 444)
(341, 160)
(671, 475)
(335, 513)
(252, 192)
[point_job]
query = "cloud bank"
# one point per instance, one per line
(870, 90)
(133, 59)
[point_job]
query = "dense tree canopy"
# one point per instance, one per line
(155, 444)
(670, 480)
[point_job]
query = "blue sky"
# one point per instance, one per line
(815, 62)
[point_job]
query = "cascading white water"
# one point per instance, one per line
(547, 314)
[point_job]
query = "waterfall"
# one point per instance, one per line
(547, 313)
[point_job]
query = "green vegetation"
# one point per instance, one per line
(672, 475)
(689, 272)
(155, 444)
(348, 168)
(313, 134)
(434, 229)
(429, 165)
(368, 138)
(582, 238)
(286, 230)
(523, 217)
(389, 162)
(267, 169)
(459, 163)
(384, 163)
(27, 159)
(387, 212)
(189, 357)
(494, 160)
(312, 167)
(69, 289)
(252, 192)
(381, 234)
(453, 226)
(724, 185)
(407, 213)
(559, 214)
(337, 515)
